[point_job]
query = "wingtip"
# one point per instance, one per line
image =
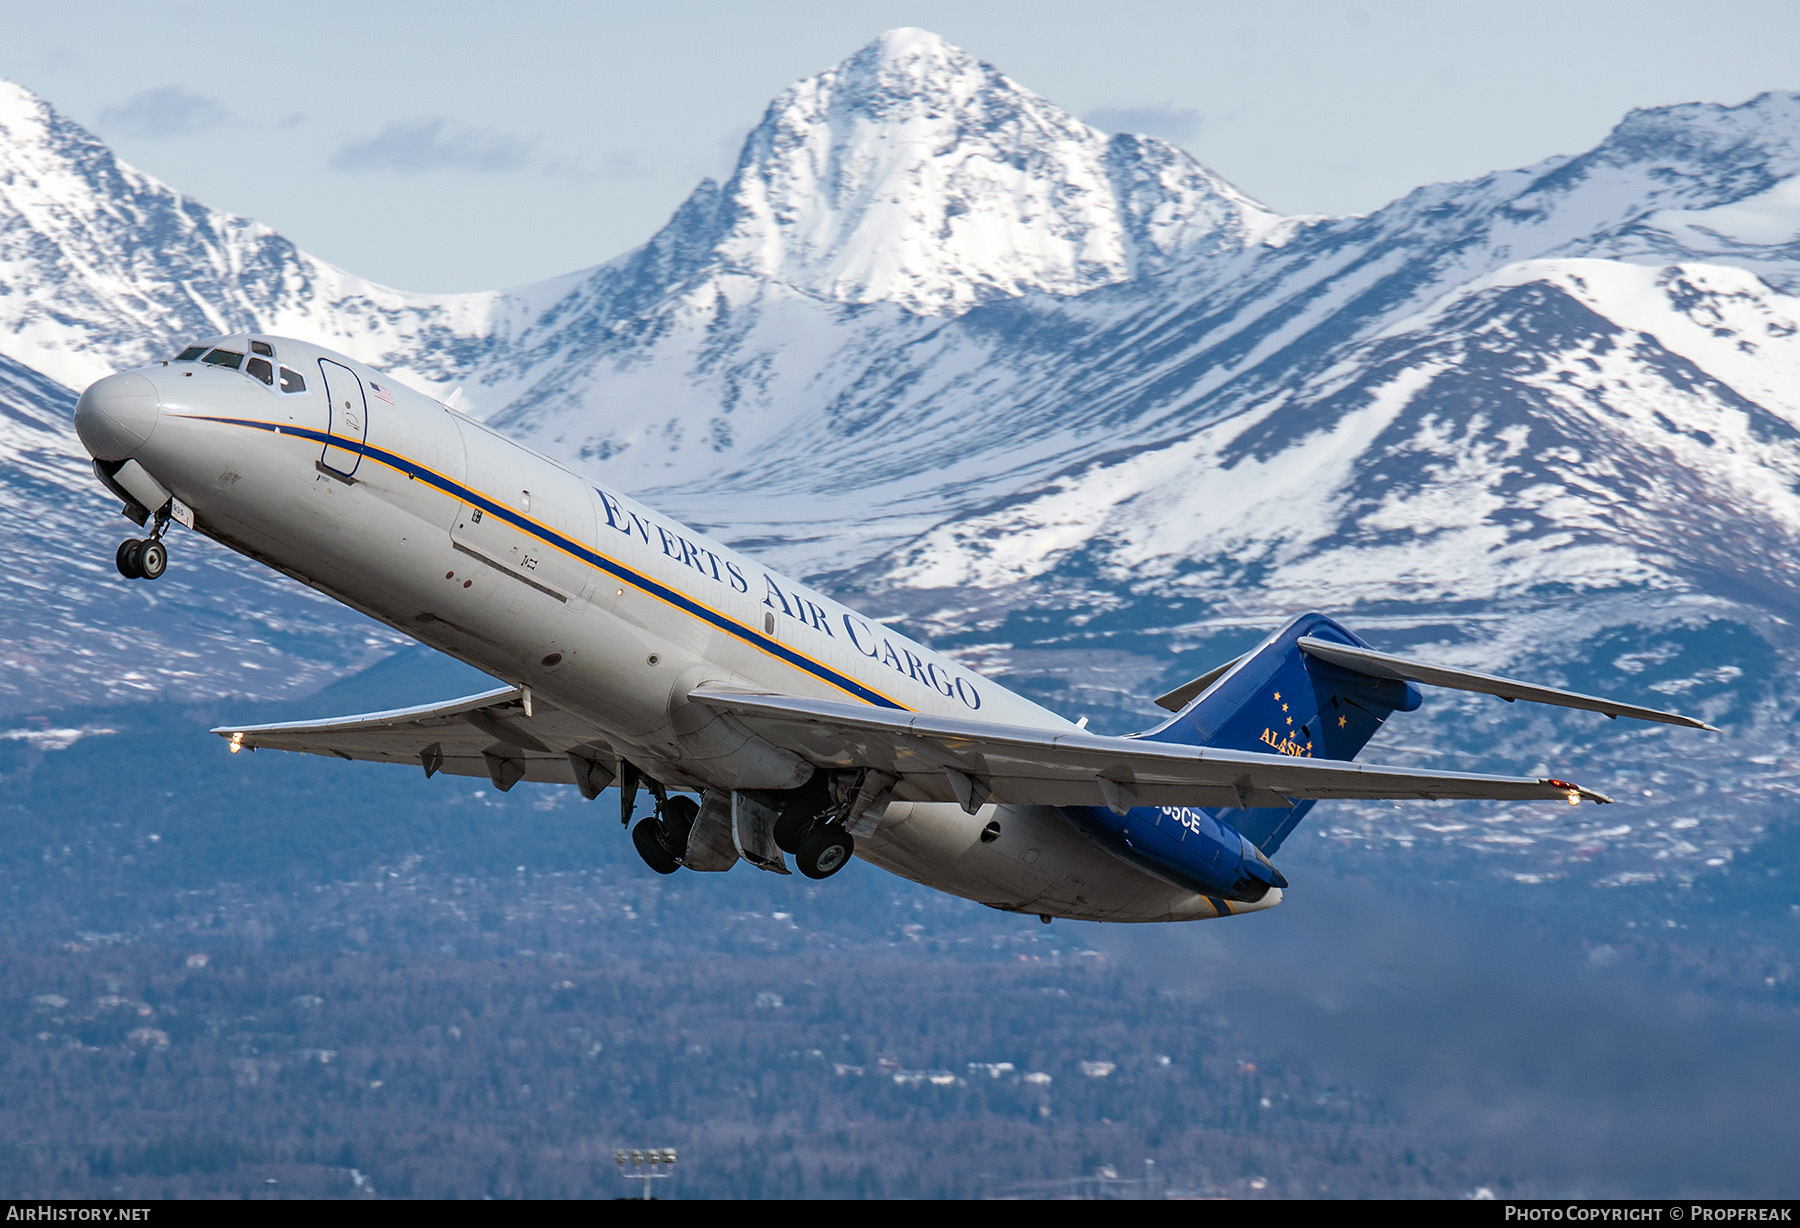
(1576, 793)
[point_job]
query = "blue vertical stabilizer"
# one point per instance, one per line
(1278, 700)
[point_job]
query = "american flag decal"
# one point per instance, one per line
(381, 392)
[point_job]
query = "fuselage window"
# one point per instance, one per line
(291, 381)
(262, 347)
(191, 354)
(225, 358)
(260, 368)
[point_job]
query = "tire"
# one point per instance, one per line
(152, 559)
(126, 559)
(676, 822)
(824, 851)
(790, 829)
(649, 846)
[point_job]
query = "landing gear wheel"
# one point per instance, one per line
(790, 829)
(674, 824)
(824, 851)
(650, 847)
(126, 559)
(152, 558)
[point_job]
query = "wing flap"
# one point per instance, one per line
(1384, 665)
(490, 734)
(1071, 767)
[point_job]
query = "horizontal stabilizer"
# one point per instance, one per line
(1381, 665)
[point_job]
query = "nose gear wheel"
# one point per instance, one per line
(152, 558)
(126, 558)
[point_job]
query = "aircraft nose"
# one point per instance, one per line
(116, 415)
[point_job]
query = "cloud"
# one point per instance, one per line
(609, 167)
(1176, 124)
(421, 146)
(165, 112)
(436, 144)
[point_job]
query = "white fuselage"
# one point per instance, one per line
(483, 549)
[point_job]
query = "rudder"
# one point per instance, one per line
(1279, 700)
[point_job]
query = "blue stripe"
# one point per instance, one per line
(600, 562)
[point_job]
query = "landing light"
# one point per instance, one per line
(1574, 799)
(237, 743)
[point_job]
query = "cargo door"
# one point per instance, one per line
(348, 423)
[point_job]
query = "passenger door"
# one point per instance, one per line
(348, 421)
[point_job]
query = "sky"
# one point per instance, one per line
(479, 146)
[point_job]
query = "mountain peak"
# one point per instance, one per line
(909, 70)
(909, 48)
(1701, 152)
(914, 173)
(18, 103)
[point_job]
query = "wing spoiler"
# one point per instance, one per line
(1383, 665)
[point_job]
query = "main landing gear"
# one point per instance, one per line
(824, 851)
(661, 840)
(820, 847)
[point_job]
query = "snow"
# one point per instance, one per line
(913, 174)
(1725, 320)
(1767, 219)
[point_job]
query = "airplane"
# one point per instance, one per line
(763, 719)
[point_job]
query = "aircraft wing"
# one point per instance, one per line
(503, 734)
(940, 759)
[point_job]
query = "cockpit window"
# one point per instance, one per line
(225, 358)
(191, 354)
(259, 367)
(262, 347)
(291, 381)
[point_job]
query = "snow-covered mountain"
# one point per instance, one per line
(707, 390)
(1071, 403)
(103, 266)
(913, 174)
(873, 203)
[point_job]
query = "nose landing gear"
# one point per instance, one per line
(141, 560)
(146, 559)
